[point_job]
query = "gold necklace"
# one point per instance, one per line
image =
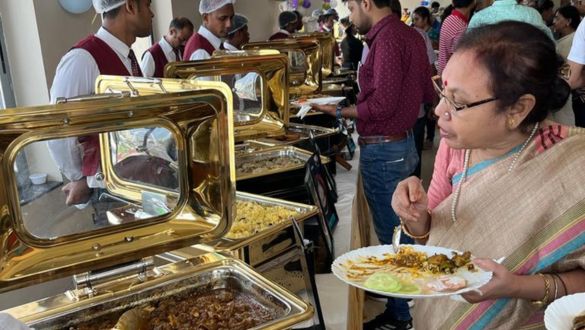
(466, 166)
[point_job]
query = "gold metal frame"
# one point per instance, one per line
(310, 81)
(270, 65)
(26, 259)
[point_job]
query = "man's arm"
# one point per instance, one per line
(76, 75)
(576, 59)
(199, 54)
(147, 65)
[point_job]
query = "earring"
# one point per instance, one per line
(447, 114)
(511, 123)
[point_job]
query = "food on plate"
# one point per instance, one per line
(410, 271)
(447, 283)
(253, 217)
(389, 283)
(579, 321)
(267, 164)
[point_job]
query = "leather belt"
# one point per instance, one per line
(381, 138)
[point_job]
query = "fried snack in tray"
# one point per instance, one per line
(268, 164)
(253, 217)
(579, 321)
(411, 268)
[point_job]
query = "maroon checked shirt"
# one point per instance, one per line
(394, 80)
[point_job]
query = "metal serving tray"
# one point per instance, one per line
(279, 152)
(301, 132)
(268, 243)
(200, 274)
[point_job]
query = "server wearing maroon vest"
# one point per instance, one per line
(288, 22)
(217, 20)
(168, 49)
(106, 52)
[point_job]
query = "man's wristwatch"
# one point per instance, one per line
(338, 111)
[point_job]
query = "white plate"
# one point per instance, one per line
(475, 279)
(306, 105)
(560, 314)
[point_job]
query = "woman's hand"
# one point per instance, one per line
(327, 108)
(502, 284)
(410, 201)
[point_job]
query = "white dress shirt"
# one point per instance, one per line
(229, 46)
(201, 54)
(147, 64)
(75, 76)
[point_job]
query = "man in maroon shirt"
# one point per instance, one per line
(288, 22)
(394, 81)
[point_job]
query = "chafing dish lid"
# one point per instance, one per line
(200, 125)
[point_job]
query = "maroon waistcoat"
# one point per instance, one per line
(108, 63)
(160, 60)
(195, 43)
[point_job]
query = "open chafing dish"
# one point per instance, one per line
(327, 43)
(169, 158)
(189, 280)
(304, 59)
(298, 134)
(272, 161)
(257, 80)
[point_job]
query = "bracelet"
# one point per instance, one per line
(556, 287)
(409, 234)
(544, 301)
(563, 283)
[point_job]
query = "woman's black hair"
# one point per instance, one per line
(424, 13)
(521, 59)
(446, 12)
(571, 13)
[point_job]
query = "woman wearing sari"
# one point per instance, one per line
(507, 182)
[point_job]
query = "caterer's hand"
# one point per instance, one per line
(77, 192)
(410, 201)
(327, 108)
(502, 284)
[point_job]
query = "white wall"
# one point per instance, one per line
(24, 52)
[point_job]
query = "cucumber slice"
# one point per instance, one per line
(409, 288)
(383, 282)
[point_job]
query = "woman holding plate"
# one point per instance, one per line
(507, 182)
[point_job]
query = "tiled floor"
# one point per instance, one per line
(332, 292)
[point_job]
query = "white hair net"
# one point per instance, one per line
(104, 6)
(209, 6)
(238, 22)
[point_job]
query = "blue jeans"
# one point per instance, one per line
(382, 166)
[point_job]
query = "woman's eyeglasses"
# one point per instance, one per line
(438, 84)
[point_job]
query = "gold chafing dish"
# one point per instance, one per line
(267, 68)
(301, 133)
(304, 60)
(204, 273)
(113, 265)
(327, 43)
(260, 103)
(298, 158)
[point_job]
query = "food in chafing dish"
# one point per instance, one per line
(579, 321)
(410, 271)
(253, 217)
(216, 309)
(268, 164)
